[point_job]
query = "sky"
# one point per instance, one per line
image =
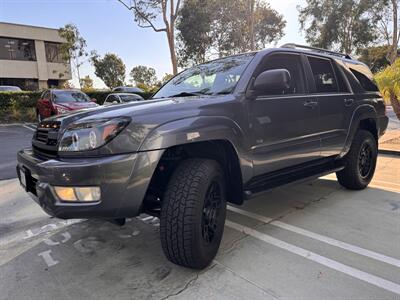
(109, 27)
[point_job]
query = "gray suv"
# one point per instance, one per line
(224, 131)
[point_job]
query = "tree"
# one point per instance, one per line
(87, 83)
(166, 78)
(149, 12)
(375, 57)
(74, 48)
(143, 75)
(342, 25)
(67, 85)
(390, 16)
(209, 28)
(388, 82)
(110, 69)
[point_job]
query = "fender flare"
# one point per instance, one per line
(363, 112)
(200, 129)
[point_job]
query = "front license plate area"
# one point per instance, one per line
(22, 177)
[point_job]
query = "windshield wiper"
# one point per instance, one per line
(196, 93)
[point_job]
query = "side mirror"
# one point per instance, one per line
(276, 80)
(93, 100)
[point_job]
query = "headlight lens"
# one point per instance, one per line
(61, 110)
(90, 135)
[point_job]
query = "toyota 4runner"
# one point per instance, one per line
(220, 132)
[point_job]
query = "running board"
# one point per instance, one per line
(265, 182)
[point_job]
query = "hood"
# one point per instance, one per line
(157, 111)
(146, 116)
(76, 105)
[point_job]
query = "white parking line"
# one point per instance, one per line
(372, 279)
(28, 127)
(355, 249)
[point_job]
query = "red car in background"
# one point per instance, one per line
(55, 102)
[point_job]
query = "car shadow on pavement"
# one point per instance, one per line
(54, 258)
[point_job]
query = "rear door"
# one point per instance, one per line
(284, 124)
(335, 100)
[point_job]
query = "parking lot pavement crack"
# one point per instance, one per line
(302, 207)
(188, 284)
(268, 292)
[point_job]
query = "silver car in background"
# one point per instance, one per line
(119, 98)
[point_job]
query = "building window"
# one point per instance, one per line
(23, 83)
(17, 49)
(53, 53)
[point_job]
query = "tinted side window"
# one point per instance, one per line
(324, 76)
(46, 95)
(290, 62)
(365, 82)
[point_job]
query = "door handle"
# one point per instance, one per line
(348, 102)
(311, 104)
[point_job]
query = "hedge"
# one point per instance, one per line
(18, 100)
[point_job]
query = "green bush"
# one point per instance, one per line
(18, 100)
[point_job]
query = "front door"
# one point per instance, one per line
(284, 124)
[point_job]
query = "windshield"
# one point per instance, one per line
(216, 77)
(70, 96)
(129, 98)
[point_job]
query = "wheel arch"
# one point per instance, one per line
(364, 117)
(220, 150)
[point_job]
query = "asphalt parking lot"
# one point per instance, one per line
(13, 138)
(309, 241)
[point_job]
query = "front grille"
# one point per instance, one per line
(46, 138)
(41, 135)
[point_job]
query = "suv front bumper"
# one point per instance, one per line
(123, 180)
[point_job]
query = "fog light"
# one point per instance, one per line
(88, 193)
(82, 194)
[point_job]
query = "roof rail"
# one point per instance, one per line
(316, 49)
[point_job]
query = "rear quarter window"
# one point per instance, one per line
(365, 80)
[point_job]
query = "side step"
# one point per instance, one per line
(297, 174)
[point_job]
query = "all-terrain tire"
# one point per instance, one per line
(190, 228)
(360, 162)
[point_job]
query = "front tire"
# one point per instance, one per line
(360, 162)
(193, 213)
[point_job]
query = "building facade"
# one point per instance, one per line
(30, 57)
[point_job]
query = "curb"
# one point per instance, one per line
(389, 152)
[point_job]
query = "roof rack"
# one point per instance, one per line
(293, 46)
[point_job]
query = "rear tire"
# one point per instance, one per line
(360, 162)
(193, 213)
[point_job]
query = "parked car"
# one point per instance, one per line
(223, 131)
(9, 88)
(127, 89)
(55, 102)
(119, 98)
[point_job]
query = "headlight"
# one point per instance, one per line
(91, 134)
(61, 110)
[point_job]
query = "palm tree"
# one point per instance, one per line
(388, 82)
